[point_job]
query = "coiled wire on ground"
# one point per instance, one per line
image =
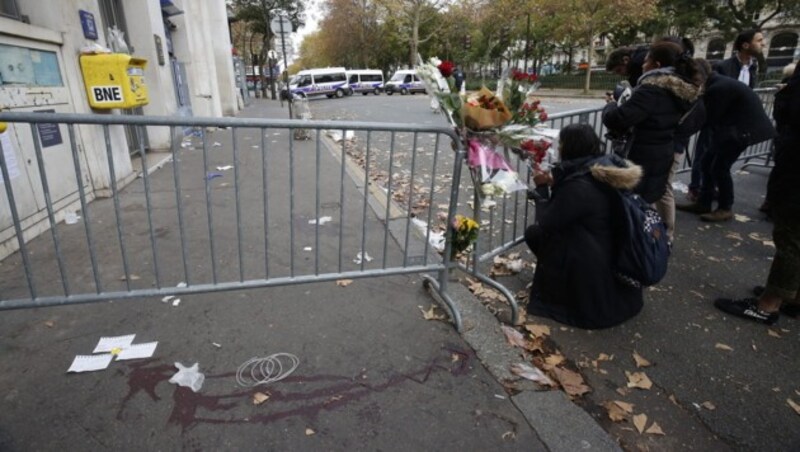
(263, 371)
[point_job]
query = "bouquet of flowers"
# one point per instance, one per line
(437, 75)
(486, 111)
(464, 232)
(491, 171)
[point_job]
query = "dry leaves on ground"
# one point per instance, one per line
(431, 314)
(538, 330)
(344, 282)
(618, 411)
(794, 405)
(571, 381)
(773, 333)
(133, 277)
(640, 422)
(640, 361)
(309, 431)
(259, 398)
(722, 346)
(655, 429)
(514, 337)
(638, 380)
(708, 405)
(49, 323)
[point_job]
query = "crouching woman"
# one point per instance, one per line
(574, 236)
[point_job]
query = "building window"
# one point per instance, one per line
(29, 67)
(8, 8)
(716, 50)
(782, 49)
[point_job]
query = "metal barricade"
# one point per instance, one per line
(243, 206)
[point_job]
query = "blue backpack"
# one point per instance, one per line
(643, 245)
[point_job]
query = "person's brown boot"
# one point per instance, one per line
(717, 216)
(693, 207)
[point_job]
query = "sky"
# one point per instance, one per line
(313, 16)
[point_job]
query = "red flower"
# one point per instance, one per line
(542, 116)
(446, 68)
(533, 78)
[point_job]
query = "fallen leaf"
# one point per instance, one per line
(655, 429)
(708, 405)
(538, 330)
(638, 380)
(259, 398)
(640, 361)
(625, 406)
(344, 282)
(742, 218)
(623, 391)
(134, 277)
(794, 405)
(49, 323)
(514, 337)
(604, 357)
(531, 373)
(773, 333)
(431, 314)
(673, 399)
(509, 435)
(725, 347)
(554, 360)
(572, 382)
(615, 413)
(309, 432)
(734, 236)
(454, 357)
(640, 421)
(758, 237)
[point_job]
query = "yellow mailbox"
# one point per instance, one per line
(114, 80)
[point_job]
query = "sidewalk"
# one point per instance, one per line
(373, 374)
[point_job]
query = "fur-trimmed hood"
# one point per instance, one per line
(620, 177)
(673, 83)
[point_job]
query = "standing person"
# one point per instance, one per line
(627, 62)
(574, 236)
(782, 292)
(458, 77)
(736, 119)
(665, 93)
(743, 64)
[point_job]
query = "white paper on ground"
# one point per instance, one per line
(321, 221)
(106, 344)
(224, 168)
(89, 363)
(138, 351)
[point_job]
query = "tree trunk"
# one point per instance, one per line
(414, 38)
(589, 65)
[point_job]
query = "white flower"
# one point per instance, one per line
(436, 61)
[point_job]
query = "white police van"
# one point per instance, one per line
(365, 81)
(404, 81)
(331, 81)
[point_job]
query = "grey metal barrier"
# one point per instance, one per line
(245, 205)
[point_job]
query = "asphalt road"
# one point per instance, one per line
(718, 383)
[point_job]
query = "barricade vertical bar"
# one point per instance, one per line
(177, 176)
(238, 203)
(476, 210)
(433, 186)
(366, 198)
(12, 204)
(291, 204)
(316, 206)
(37, 147)
(516, 206)
(209, 210)
(388, 200)
(410, 197)
(87, 224)
(265, 184)
(115, 196)
(503, 219)
(146, 178)
(341, 201)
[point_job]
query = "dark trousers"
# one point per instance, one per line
(700, 148)
(784, 275)
(716, 167)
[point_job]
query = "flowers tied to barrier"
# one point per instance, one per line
(463, 233)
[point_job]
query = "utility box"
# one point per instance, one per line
(114, 80)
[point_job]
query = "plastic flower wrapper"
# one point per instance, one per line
(490, 170)
(437, 77)
(463, 233)
(485, 111)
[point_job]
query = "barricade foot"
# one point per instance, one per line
(429, 282)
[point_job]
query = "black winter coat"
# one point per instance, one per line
(654, 111)
(734, 112)
(731, 68)
(783, 190)
(574, 243)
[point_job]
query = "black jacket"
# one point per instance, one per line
(735, 113)
(732, 66)
(783, 190)
(574, 243)
(654, 111)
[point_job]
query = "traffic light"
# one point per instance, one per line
(467, 42)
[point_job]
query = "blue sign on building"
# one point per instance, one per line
(87, 22)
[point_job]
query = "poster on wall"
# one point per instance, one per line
(10, 156)
(49, 133)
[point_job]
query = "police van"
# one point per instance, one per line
(365, 81)
(331, 81)
(404, 81)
